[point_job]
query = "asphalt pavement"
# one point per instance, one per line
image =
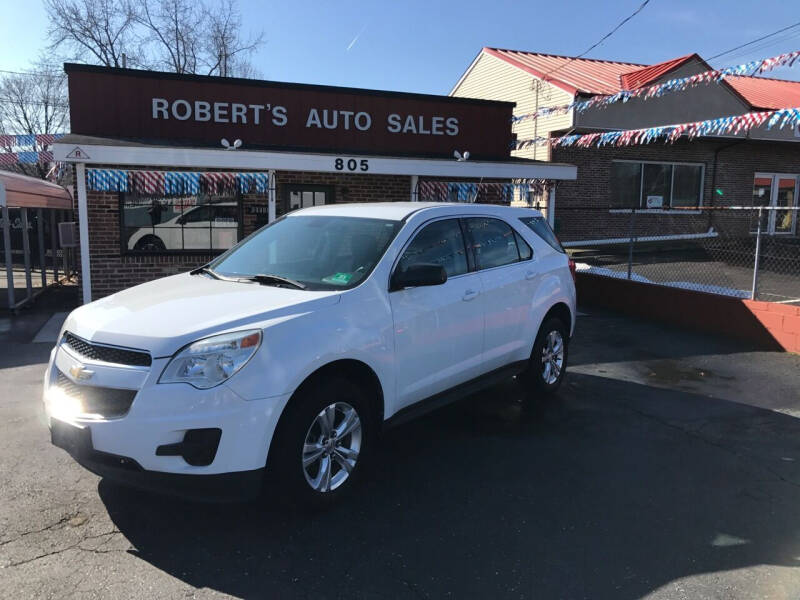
(667, 467)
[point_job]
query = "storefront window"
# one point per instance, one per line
(656, 185)
(200, 223)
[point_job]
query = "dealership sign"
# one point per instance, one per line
(192, 110)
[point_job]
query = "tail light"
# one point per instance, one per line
(572, 269)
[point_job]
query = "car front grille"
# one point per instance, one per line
(109, 403)
(109, 354)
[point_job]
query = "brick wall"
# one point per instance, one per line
(582, 205)
(767, 325)
(112, 271)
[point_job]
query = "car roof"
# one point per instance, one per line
(398, 211)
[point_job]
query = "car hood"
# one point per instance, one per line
(164, 315)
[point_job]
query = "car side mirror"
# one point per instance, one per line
(417, 275)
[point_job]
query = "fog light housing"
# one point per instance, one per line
(198, 448)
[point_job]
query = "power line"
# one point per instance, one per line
(34, 73)
(601, 40)
(764, 37)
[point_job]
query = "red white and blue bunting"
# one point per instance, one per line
(733, 124)
(27, 149)
(39, 140)
(657, 90)
(485, 193)
(176, 183)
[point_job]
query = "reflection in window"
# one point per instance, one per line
(439, 243)
(177, 223)
(493, 242)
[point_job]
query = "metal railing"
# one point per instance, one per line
(31, 254)
(739, 251)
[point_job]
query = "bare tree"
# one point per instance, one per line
(31, 103)
(228, 52)
(175, 28)
(187, 36)
(101, 31)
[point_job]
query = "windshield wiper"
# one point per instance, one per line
(205, 269)
(267, 279)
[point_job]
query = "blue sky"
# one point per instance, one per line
(424, 46)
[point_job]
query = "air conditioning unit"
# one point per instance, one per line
(68, 234)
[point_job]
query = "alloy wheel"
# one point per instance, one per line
(552, 357)
(332, 446)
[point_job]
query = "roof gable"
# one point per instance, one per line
(647, 75)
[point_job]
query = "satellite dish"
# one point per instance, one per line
(457, 154)
(466, 154)
(225, 143)
(237, 143)
(461, 157)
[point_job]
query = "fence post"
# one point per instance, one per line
(26, 248)
(630, 243)
(758, 255)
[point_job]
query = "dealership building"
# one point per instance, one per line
(170, 170)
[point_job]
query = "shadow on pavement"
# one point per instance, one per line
(608, 492)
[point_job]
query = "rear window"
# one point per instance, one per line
(541, 227)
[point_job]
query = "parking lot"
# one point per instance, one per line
(667, 467)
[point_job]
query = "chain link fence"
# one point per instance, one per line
(744, 252)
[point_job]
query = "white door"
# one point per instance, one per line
(509, 279)
(776, 191)
(439, 328)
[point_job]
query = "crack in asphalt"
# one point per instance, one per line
(75, 546)
(61, 521)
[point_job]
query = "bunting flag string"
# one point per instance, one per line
(25, 157)
(176, 183)
(486, 193)
(735, 124)
(39, 140)
(657, 90)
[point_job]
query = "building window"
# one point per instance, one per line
(205, 223)
(305, 195)
(656, 185)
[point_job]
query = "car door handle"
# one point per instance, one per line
(530, 274)
(469, 295)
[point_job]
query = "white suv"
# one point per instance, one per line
(288, 354)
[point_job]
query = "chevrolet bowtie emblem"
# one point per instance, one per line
(78, 371)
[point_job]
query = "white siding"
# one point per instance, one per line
(491, 78)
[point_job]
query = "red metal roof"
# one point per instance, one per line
(573, 75)
(641, 77)
(31, 192)
(590, 76)
(761, 92)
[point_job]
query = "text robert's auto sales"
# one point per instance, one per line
(234, 112)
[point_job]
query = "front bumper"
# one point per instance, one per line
(222, 487)
(135, 448)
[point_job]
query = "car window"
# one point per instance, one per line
(525, 251)
(441, 243)
(322, 252)
(541, 227)
(196, 215)
(493, 242)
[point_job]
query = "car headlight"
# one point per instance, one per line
(210, 361)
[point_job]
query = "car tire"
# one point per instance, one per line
(150, 243)
(314, 463)
(548, 361)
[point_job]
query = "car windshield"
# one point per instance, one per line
(320, 252)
